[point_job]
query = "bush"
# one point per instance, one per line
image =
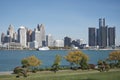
(112, 65)
(17, 70)
(91, 66)
(103, 66)
(20, 72)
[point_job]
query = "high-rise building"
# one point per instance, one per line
(7, 39)
(67, 42)
(111, 36)
(29, 35)
(39, 35)
(103, 37)
(2, 37)
(22, 36)
(100, 22)
(102, 33)
(92, 36)
(49, 40)
(15, 37)
(42, 30)
(10, 31)
(36, 37)
(98, 37)
(59, 43)
(103, 22)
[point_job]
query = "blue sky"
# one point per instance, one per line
(60, 17)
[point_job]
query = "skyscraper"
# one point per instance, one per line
(49, 40)
(103, 37)
(67, 42)
(98, 37)
(15, 37)
(100, 22)
(111, 36)
(10, 31)
(29, 35)
(2, 37)
(42, 30)
(39, 35)
(22, 36)
(36, 37)
(102, 33)
(92, 36)
(103, 22)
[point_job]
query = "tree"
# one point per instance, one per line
(77, 58)
(103, 66)
(31, 61)
(115, 56)
(25, 63)
(56, 64)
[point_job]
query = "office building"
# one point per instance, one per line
(59, 43)
(33, 45)
(67, 42)
(2, 37)
(10, 31)
(22, 36)
(111, 36)
(39, 35)
(29, 35)
(49, 40)
(92, 36)
(15, 37)
(103, 37)
(102, 34)
(36, 37)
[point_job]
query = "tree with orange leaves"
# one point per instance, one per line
(115, 56)
(77, 58)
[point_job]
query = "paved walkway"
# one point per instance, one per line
(6, 73)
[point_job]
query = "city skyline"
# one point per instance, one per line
(60, 17)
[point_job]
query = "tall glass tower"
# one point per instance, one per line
(92, 36)
(22, 36)
(111, 36)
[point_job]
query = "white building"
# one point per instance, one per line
(36, 37)
(10, 31)
(39, 35)
(59, 43)
(22, 36)
(33, 45)
(49, 40)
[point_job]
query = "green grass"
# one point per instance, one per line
(67, 75)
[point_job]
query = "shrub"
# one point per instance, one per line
(91, 66)
(103, 66)
(20, 72)
(17, 70)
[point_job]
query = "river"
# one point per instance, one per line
(9, 59)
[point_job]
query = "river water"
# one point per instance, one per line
(9, 59)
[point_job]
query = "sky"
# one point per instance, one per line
(60, 17)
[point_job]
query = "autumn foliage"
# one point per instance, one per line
(115, 55)
(77, 58)
(31, 61)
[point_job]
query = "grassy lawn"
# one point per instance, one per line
(67, 75)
